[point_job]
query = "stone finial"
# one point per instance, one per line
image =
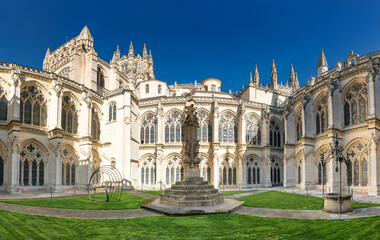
(256, 77)
(273, 75)
(322, 60)
(85, 34)
(131, 51)
(145, 52)
(47, 56)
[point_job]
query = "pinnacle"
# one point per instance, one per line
(85, 34)
(322, 60)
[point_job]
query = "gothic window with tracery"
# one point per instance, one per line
(355, 104)
(95, 124)
(322, 170)
(205, 170)
(148, 171)
(148, 129)
(253, 171)
(228, 170)
(275, 134)
(228, 131)
(65, 72)
(100, 78)
(253, 131)
(174, 170)
(1, 171)
(69, 162)
(275, 172)
(358, 165)
(204, 133)
(3, 105)
(33, 106)
(69, 118)
(32, 166)
(321, 115)
(299, 127)
(147, 88)
(299, 174)
(112, 112)
(173, 127)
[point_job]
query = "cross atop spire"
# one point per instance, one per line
(131, 52)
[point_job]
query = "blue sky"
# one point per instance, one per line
(193, 40)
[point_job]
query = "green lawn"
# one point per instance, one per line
(282, 200)
(218, 226)
(229, 193)
(127, 201)
(152, 192)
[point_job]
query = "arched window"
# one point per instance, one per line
(32, 167)
(253, 171)
(321, 115)
(229, 172)
(299, 127)
(33, 106)
(253, 131)
(205, 170)
(228, 123)
(299, 174)
(322, 170)
(174, 165)
(100, 78)
(3, 105)
(275, 172)
(147, 88)
(358, 166)
(112, 112)
(159, 89)
(355, 104)
(173, 127)
(95, 125)
(205, 127)
(69, 120)
(148, 129)
(69, 160)
(148, 170)
(275, 134)
(213, 88)
(1, 171)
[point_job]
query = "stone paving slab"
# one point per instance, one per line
(308, 214)
(76, 213)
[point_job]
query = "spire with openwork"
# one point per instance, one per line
(131, 52)
(273, 75)
(322, 64)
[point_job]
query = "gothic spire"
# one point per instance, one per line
(131, 52)
(250, 78)
(117, 52)
(145, 52)
(85, 34)
(47, 56)
(273, 75)
(292, 76)
(322, 60)
(296, 82)
(256, 77)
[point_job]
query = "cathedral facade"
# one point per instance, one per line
(59, 124)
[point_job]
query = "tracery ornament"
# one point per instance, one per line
(253, 131)
(253, 171)
(148, 171)
(275, 133)
(174, 127)
(33, 106)
(227, 172)
(174, 170)
(3, 105)
(32, 164)
(205, 127)
(227, 128)
(69, 163)
(355, 104)
(95, 124)
(321, 115)
(112, 112)
(148, 129)
(65, 73)
(205, 170)
(275, 172)
(69, 120)
(358, 166)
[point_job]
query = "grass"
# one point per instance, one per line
(218, 226)
(155, 193)
(127, 201)
(282, 200)
(227, 193)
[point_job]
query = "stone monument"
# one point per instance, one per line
(193, 195)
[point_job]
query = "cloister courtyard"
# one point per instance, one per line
(266, 213)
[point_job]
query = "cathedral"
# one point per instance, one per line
(80, 112)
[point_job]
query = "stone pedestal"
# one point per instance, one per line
(193, 192)
(333, 203)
